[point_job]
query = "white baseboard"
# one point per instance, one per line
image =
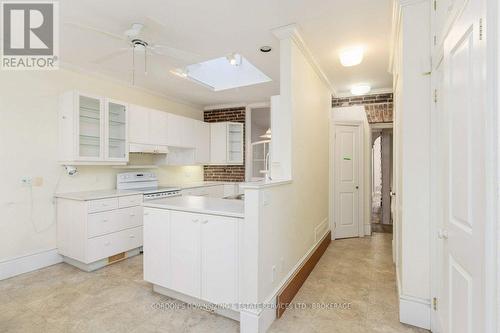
(25, 264)
(368, 229)
(413, 311)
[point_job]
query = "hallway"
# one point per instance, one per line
(357, 271)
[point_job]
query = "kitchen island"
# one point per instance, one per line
(191, 250)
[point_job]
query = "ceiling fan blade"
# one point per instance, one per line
(97, 30)
(176, 54)
(110, 56)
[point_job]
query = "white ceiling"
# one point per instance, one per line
(212, 29)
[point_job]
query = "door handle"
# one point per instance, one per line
(357, 187)
(392, 194)
(442, 234)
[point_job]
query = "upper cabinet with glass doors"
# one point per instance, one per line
(92, 130)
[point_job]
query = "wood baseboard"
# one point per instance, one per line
(286, 295)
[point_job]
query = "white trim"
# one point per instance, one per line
(368, 229)
(28, 263)
(378, 126)
(292, 31)
(412, 310)
(372, 92)
(81, 70)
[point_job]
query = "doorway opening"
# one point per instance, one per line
(381, 217)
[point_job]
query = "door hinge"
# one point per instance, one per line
(435, 5)
(435, 40)
(435, 96)
(480, 29)
(435, 303)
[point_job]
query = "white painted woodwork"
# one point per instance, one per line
(226, 143)
(158, 127)
(88, 231)
(192, 254)
(347, 174)
(202, 145)
(219, 249)
(88, 133)
(157, 246)
(185, 253)
(462, 306)
(175, 129)
(138, 125)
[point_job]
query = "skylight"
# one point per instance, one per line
(225, 73)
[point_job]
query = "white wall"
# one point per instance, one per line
(285, 217)
(28, 147)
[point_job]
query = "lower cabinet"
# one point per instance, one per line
(194, 254)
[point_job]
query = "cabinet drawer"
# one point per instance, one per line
(105, 246)
(129, 201)
(102, 205)
(112, 221)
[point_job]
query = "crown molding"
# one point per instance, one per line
(292, 31)
(95, 74)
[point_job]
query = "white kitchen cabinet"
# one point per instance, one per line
(202, 145)
(226, 143)
(203, 252)
(174, 131)
(189, 132)
(148, 130)
(185, 253)
(157, 247)
(219, 259)
(93, 233)
(92, 130)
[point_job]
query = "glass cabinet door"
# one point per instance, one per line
(89, 128)
(116, 130)
(235, 143)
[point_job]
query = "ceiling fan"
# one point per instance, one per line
(141, 39)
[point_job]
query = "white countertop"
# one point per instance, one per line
(94, 195)
(200, 184)
(203, 205)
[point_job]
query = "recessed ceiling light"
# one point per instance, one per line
(266, 49)
(351, 56)
(360, 89)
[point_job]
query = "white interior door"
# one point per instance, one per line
(462, 307)
(347, 181)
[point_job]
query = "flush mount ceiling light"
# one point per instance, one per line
(360, 89)
(234, 59)
(351, 56)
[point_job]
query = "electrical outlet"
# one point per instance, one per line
(274, 273)
(26, 180)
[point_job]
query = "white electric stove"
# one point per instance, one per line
(145, 182)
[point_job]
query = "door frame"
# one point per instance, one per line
(361, 170)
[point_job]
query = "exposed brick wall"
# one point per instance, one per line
(378, 107)
(231, 173)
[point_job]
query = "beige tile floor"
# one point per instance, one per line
(116, 299)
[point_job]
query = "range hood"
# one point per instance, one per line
(148, 149)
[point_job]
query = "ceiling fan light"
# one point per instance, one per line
(351, 56)
(360, 89)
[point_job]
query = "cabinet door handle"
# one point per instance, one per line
(195, 220)
(107, 243)
(146, 214)
(131, 236)
(204, 221)
(132, 214)
(104, 220)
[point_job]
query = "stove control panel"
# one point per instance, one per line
(159, 195)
